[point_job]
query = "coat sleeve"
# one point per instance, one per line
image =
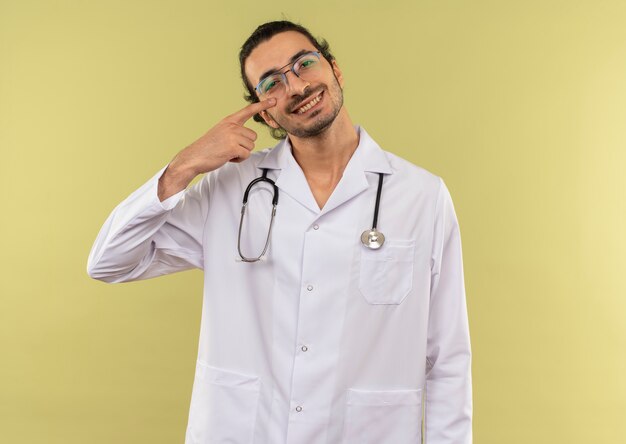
(144, 237)
(448, 410)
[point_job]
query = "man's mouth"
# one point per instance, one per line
(310, 104)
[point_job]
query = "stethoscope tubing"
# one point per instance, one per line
(263, 178)
(372, 239)
(377, 205)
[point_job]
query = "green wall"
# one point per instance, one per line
(519, 106)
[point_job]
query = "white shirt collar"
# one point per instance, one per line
(370, 155)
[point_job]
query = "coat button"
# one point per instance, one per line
(316, 227)
(298, 409)
(309, 287)
(304, 348)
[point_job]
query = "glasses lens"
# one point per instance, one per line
(271, 85)
(306, 64)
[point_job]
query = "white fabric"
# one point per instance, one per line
(324, 341)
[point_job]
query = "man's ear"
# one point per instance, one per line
(268, 119)
(337, 72)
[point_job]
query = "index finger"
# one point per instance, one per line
(244, 114)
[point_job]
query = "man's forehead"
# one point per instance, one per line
(275, 53)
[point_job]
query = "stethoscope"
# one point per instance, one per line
(371, 238)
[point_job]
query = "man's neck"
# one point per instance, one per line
(324, 157)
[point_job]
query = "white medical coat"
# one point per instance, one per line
(324, 341)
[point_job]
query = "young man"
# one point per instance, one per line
(333, 320)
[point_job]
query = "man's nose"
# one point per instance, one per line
(295, 85)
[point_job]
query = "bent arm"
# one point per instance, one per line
(144, 237)
(448, 411)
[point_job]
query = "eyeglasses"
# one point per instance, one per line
(304, 67)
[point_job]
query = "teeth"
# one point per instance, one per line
(310, 105)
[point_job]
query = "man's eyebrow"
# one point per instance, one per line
(291, 60)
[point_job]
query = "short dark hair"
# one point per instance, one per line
(263, 33)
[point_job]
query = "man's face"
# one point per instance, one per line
(325, 86)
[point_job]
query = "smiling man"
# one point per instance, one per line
(334, 305)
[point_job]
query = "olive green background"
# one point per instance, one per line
(519, 106)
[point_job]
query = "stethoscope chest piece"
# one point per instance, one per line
(373, 239)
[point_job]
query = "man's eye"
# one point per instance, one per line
(270, 83)
(307, 63)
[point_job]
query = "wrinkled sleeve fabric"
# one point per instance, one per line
(144, 237)
(448, 410)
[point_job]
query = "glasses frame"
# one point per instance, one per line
(283, 72)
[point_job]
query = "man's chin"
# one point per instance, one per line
(311, 129)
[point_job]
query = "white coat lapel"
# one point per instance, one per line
(293, 182)
(352, 183)
(368, 157)
(290, 179)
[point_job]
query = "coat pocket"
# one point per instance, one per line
(383, 417)
(386, 274)
(223, 406)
